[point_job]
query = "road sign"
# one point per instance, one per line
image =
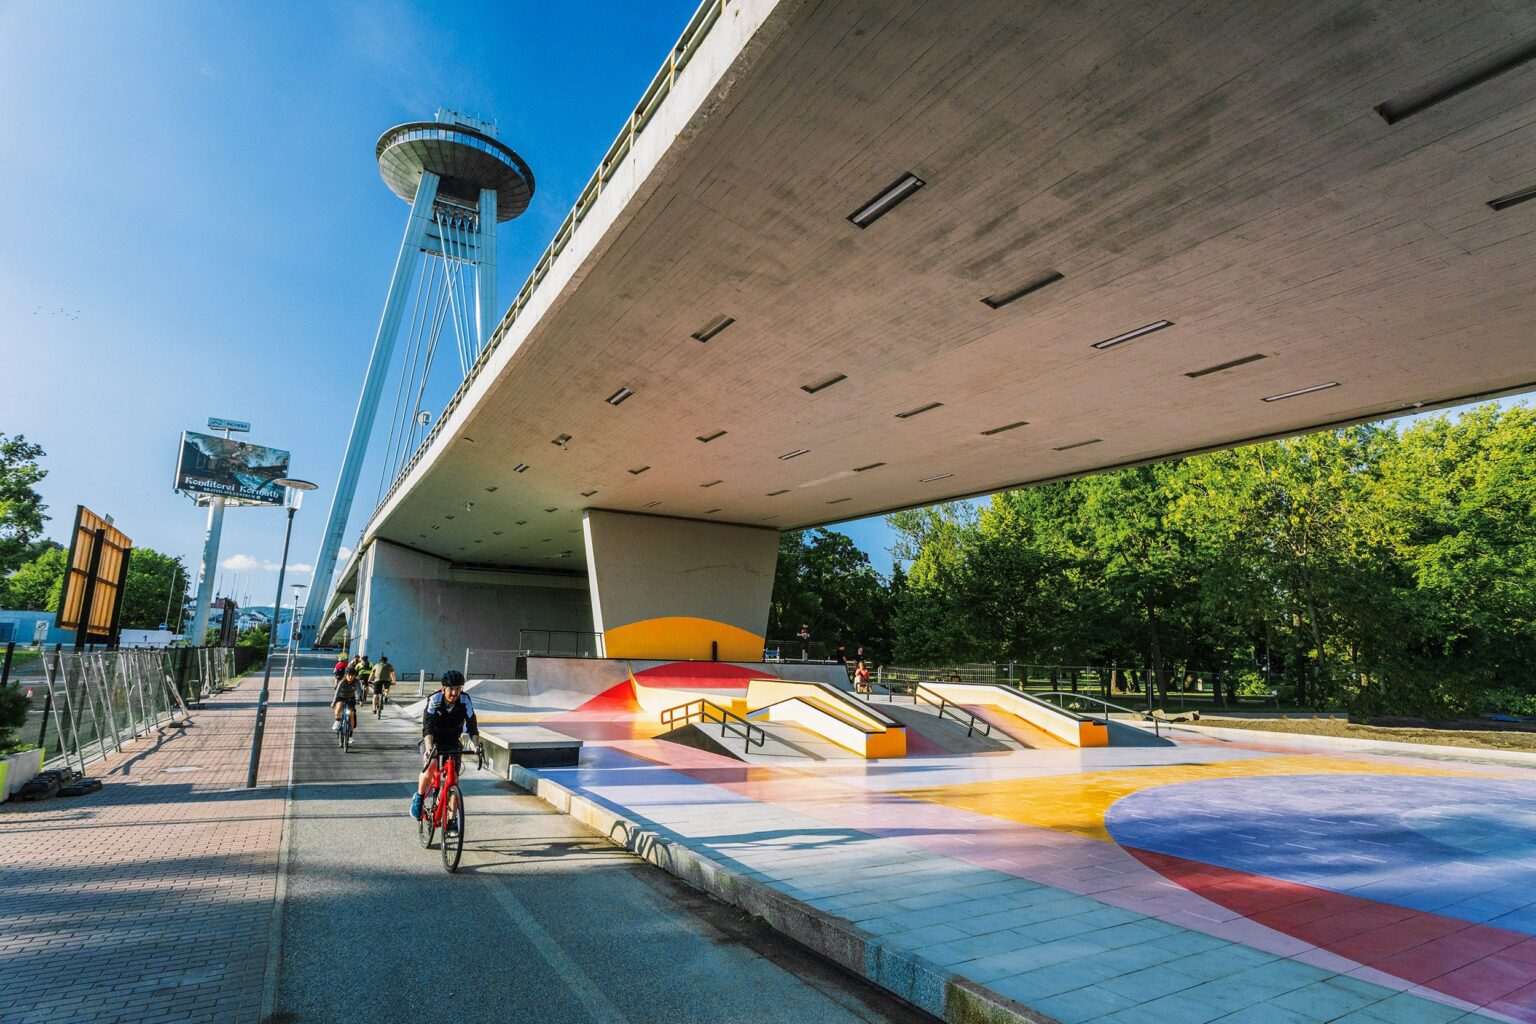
(239, 426)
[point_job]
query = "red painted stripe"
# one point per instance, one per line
(1491, 967)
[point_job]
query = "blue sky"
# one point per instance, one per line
(196, 225)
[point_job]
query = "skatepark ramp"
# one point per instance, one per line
(1040, 717)
(782, 717)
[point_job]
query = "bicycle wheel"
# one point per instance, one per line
(341, 734)
(453, 830)
(424, 826)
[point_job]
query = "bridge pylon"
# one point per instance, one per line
(461, 181)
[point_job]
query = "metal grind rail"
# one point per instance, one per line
(709, 713)
(1145, 716)
(949, 709)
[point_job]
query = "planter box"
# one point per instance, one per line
(16, 770)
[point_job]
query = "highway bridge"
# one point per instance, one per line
(851, 257)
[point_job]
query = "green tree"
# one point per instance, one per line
(21, 507)
(823, 579)
(155, 581)
(36, 585)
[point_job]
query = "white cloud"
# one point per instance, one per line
(343, 554)
(245, 563)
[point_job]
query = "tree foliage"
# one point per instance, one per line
(21, 507)
(1368, 567)
(155, 580)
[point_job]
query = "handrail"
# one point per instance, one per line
(942, 702)
(1146, 716)
(682, 714)
(708, 13)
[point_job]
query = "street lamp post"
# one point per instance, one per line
(293, 637)
(294, 496)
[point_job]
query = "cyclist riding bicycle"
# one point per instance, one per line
(345, 696)
(448, 715)
(383, 677)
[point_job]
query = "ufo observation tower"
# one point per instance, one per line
(461, 181)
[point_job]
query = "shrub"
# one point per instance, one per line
(13, 714)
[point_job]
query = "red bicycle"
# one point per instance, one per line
(443, 808)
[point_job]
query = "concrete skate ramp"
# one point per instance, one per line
(1073, 729)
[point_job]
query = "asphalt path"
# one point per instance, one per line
(544, 921)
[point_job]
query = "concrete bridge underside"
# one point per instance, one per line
(1306, 193)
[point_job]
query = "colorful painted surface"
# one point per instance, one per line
(1204, 882)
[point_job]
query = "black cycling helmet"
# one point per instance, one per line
(453, 677)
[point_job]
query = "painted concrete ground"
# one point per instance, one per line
(1210, 881)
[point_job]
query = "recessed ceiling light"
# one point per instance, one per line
(521, 467)
(652, 504)
(710, 512)
(1080, 444)
(931, 479)
(711, 483)
(490, 490)
(522, 522)
(771, 494)
(1005, 427)
(477, 542)
(637, 472)
(1002, 299)
(713, 328)
(920, 409)
(1303, 391)
(795, 454)
(618, 396)
(865, 469)
(811, 389)
(577, 530)
(588, 494)
(1140, 332)
(888, 199)
(1229, 364)
(1395, 110)
(764, 519)
(1513, 199)
(496, 533)
(838, 501)
(469, 439)
(706, 438)
(561, 441)
(552, 508)
(422, 535)
(450, 517)
(434, 526)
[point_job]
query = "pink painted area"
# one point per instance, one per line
(1485, 966)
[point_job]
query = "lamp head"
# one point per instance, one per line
(293, 495)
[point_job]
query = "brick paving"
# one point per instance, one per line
(152, 899)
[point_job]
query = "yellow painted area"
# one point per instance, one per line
(682, 638)
(762, 692)
(1078, 803)
(1092, 734)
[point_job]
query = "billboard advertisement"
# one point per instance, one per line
(92, 595)
(247, 473)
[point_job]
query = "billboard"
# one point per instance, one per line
(92, 595)
(246, 473)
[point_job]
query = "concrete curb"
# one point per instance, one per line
(914, 979)
(1387, 747)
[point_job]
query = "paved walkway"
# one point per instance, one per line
(175, 895)
(152, 899)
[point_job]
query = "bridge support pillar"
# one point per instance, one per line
(679, 589)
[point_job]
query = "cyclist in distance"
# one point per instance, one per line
(345, 696)
(448, 715)
(383, 677)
